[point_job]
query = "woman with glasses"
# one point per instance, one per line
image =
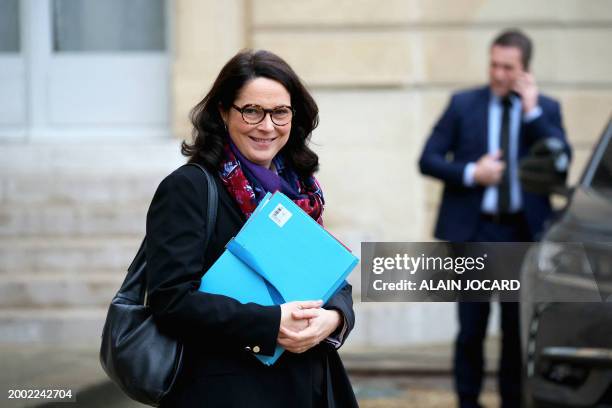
(251, 132)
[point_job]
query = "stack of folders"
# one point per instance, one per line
(280, 255)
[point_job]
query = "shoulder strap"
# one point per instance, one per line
(213, 202)
(211, 217)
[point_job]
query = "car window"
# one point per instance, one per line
(602, 178)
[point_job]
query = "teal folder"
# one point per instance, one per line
(280, 255)
(231, 277)
(292, 252)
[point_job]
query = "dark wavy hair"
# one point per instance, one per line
(209, 132)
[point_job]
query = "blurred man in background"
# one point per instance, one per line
(474, 149)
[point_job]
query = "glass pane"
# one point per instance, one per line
(602, 180)
(109, 25)
(9, 25)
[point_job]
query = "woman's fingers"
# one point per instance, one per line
(296, 336)
(289, 334)
(287, 309)
(298, 339)
(306, 337)
(296, 325)
(309, 304)
(305, 313)
(289, 346)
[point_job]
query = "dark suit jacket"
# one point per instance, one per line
(462, 132)
(219, 371)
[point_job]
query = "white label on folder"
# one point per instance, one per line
(280, 215)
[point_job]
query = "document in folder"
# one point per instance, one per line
(280, 255)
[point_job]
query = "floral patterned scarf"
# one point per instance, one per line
(248, 183)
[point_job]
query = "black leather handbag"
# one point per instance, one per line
(140, 359)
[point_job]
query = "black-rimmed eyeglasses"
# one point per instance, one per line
(255, 114)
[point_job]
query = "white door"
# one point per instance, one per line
(87, 70)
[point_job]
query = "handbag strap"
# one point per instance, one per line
(213, 202)
(211, 212)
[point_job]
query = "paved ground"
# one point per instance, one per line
(386, 378)
(413, 391)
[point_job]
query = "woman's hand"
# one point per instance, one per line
(305, 310)
(322, 323)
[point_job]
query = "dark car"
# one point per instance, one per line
(566, 292)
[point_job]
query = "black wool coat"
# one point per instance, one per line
(219, 333)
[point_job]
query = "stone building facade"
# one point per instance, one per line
(381, 71)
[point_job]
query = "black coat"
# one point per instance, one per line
(219, 332)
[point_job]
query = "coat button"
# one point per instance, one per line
(256, 349)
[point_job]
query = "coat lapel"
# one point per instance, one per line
(480, 112)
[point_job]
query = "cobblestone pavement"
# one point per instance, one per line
(417, 377)
(413, 392)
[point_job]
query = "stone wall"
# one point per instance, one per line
(382, 73)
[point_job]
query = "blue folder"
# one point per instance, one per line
(292, 251)
(231, 277)
(280, 255)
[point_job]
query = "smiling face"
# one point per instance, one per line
(261, 142)
(504, 68)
